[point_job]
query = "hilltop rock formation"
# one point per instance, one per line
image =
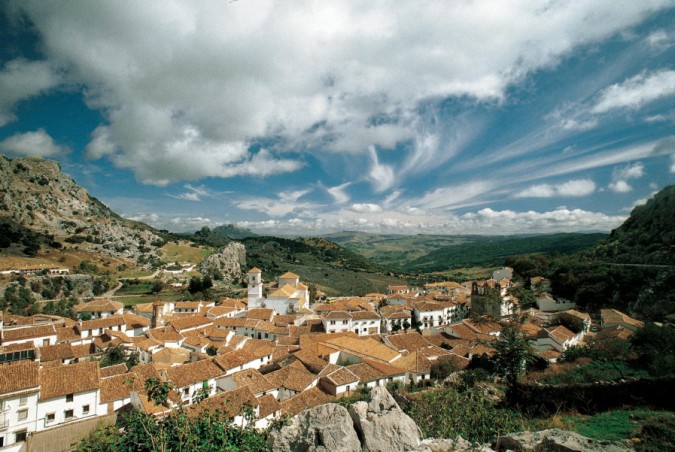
(381, 425)
(35, 195)
(228, 262)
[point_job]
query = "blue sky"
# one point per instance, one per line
(486, 117)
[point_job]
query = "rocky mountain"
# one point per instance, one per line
(228, 262)
(39, 205)
(235, 232)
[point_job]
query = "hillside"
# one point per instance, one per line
(631, 270)
(41, 208)
(234, 232)
(333, 268)
(647, 236)
(435, 253)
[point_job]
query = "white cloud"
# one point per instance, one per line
(672, 163)
(37, 143)
(193, 193)
(21, 79)
(661, 39)
(454, 196)
(620, 177)
(574, 124)
(338, 193)
(636, 91)
(370, 208)
(287, 202)
(187, 86)
(579, 187)
(620, 186)
(382, 176)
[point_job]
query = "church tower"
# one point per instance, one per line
(255, 287)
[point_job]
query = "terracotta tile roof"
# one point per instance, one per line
(310, 360)
(283, 292)
(288, 275)
(193, 372)
(306, 399)
(267, 405)
(164, 334)
(171, 356)
(260, 314)
(82, 351)
(56, 352)
(530, 330)
(135, 321)
(192, 304)
(255, 270)
(232, 303)
(18, 347)
(102, 305)
(307, 339)
(69, 379)
(29, 332)
(341, 376)
(407, 341)
(19, 376)
(291, 377)
(145, 308)
(193, 321)
(462, 331)
(614, 316)
(414, 362)
(108, 322)
(67, 334)
(560, 333)
(218, 311)
(284, 340)
(482, 327)
(233, 359)
(365, 315)
(226, 322)
(364, 347)
(116, 387)
(110, 371)
(253, 379)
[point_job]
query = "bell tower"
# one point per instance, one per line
(255, 288)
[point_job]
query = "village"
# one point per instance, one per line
(268, 355)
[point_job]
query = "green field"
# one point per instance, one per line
(184, 252)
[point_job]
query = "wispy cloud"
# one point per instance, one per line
(339, 193)
(193, 193)
(636, 91)
(572, 188)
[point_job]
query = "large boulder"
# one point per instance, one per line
(323, 428)
(558, 441)
(382, 425)
(228, 262)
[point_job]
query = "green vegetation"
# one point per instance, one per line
(470, 413)
(654, 429)
(185, 252)
(437, 253)
(595, 371)
(513, 354)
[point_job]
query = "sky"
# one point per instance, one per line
(310, 117)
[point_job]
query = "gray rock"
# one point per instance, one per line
(383, 426)
(323, 428)
(557, 440)
(228, 261)
(458, 444)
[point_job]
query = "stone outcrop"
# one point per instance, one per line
(228, 262)
(36, 195)
(382, 425)
(557, 440)
(323, 428)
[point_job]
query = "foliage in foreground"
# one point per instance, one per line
(470, 413)
(654, 429)
(207, 431)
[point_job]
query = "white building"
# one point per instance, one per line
(290, 296)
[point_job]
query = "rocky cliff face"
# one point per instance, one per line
(36, 195)
(228, 261)
(381, 425)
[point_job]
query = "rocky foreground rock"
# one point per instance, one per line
(228, 261)
(381, 425)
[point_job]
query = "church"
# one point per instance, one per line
(289, 296)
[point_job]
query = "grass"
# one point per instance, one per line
(654, 430)
(184, 252)
(595, 371)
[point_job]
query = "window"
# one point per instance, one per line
(45, 342)
(344, 322)
(332, 322)
(186, 391)
(23, 400)
(85, 409)
(51, 417)
(69, 397)
(21, 435)
(23, 414)
(68, 414)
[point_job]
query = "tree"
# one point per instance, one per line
(655, 345)
(396, 325)
(158, 392)
(212, 350)
(513, 354)
(405, 325)
(157, 287)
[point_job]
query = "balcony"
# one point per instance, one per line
(4, 421)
